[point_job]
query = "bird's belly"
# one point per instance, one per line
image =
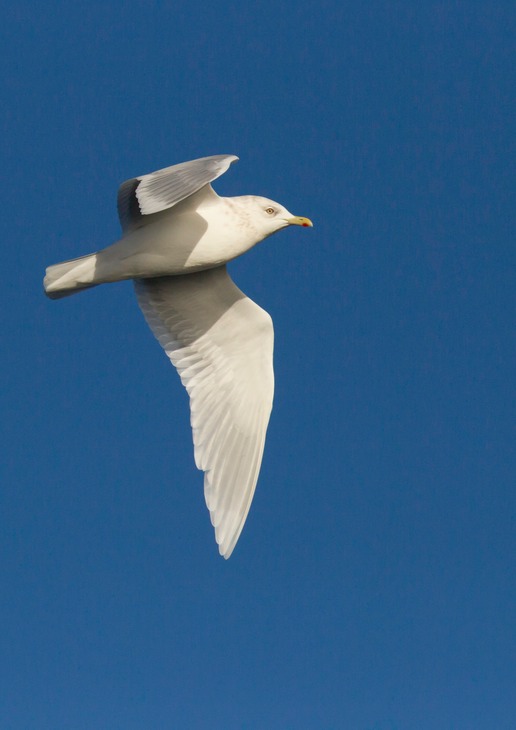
(214, 250)
(170, 247)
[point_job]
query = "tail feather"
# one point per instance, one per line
(69, 277)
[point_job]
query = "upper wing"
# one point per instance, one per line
(163, 189)
(221, 343)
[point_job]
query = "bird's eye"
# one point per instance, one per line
(270, 211)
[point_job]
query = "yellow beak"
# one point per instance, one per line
(297, 220)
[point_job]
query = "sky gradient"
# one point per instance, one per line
(373, 586)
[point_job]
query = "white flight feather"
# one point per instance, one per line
(221, 344)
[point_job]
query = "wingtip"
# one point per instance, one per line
(226, 552)
(229, 160)
(228, 544)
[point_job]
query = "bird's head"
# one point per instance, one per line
(276, 216)
(267, 216)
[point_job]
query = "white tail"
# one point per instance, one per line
(70, 277)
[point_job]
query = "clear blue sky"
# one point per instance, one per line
(373, 587)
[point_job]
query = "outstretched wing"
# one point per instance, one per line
(221, 343)
(160, 190)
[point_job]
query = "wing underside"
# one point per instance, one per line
(221, 343)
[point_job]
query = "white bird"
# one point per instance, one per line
(178, 235)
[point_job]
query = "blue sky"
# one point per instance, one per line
(373, 587)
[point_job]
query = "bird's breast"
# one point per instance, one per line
(174, 244)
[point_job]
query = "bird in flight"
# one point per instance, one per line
(177, 236)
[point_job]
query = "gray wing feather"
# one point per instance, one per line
(161, 190)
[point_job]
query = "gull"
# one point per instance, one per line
(177, 236)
